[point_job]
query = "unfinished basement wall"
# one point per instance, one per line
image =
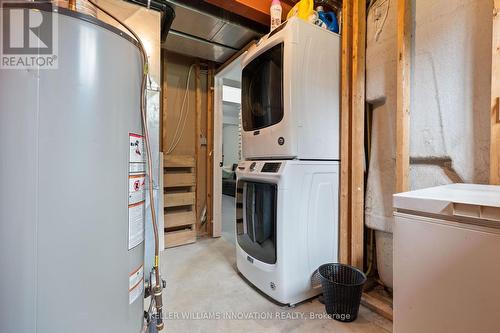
(450, 102)
(175, 75)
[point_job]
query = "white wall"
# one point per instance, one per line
(230, 146)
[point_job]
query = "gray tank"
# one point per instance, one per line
(66, 262)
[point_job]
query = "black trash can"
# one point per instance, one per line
(342, 288)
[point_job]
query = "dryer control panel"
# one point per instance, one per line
(271, 167)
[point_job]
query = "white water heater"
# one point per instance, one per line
(72, 168)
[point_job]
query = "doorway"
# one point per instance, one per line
(227, 147)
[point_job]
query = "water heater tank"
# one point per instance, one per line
(72, 175)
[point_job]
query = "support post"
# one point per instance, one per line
(495, 98)
(358, 133)
(345, 133)
(403, 96)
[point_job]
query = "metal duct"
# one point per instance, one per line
(204, 35)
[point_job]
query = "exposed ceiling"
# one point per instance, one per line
(208, 32)
(217, 29)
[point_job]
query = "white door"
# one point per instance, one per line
(229, 74)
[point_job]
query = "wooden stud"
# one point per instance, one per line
(358, 131)
(164, 86)
(210, 146)
(403, 96)
(495, 98)
(197, 133)
(345, 116)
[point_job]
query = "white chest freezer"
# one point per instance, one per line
(447, 260)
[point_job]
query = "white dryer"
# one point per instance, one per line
(286, 224)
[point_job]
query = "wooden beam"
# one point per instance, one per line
(495, 98)
(345, 125)
(403, 96)
(255, 10)
(197, 134)
(378, 304)
(358, 133)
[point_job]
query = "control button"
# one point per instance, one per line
(281, 141)
(252, 166)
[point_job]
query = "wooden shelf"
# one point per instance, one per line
(176, 179)
(179, 161)
(179, 199)
(179, 183)
(179, 218)
(180, 237)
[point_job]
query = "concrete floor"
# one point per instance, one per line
(202, 281)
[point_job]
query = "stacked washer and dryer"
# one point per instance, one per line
(287, 194)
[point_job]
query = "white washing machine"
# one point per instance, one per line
(286, 224)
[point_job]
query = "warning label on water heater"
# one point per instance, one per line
(135, 284)
(137, 160)
(136, 190)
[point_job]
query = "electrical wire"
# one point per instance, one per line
(145, 70)
(375, 4)
(183, 115)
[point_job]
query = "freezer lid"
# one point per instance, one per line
(457, 200)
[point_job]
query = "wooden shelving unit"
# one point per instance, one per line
(179, 183)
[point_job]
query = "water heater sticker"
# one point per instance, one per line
(135, 284)
(136, 188)
(135, 224)
(137, 159)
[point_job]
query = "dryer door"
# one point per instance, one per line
(256, 206)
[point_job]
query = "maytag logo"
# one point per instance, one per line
(29, 35)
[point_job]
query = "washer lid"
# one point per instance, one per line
(457, 200)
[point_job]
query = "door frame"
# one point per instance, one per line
(218, 138)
